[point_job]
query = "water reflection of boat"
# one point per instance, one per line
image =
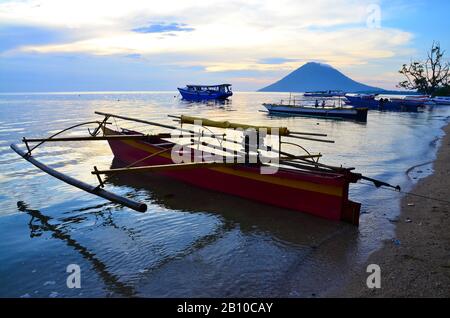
(298, 245)
(205, 92)
(44, 224)
(218, 103)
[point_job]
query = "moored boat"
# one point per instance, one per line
(363, 100)
(299, 181)
(329, 93)
(357, 114)
(206, 92)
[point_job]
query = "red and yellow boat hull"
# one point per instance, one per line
(317, 193)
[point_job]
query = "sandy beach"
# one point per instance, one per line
(416, 263)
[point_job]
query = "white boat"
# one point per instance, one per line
(358, 114)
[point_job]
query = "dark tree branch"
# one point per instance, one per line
(428, 76)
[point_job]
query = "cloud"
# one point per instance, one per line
(238, 34)
(164, 27)
(217, 36)
(250, 49)
(17, 35)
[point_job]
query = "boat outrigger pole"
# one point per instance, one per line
(96, 190)
(137, 206)
(297, 164)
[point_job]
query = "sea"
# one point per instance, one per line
(191, 242)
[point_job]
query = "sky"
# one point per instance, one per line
(108, 45)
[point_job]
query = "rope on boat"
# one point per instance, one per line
(410, 193)
(115, 122)
(152, 155)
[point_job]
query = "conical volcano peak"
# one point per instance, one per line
(315, 76)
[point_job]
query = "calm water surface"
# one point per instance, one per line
(190, 242)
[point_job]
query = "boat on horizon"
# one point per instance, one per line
(329, 93)
(206, 92)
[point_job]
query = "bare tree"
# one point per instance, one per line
(426, 77)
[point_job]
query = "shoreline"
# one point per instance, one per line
(416, 262)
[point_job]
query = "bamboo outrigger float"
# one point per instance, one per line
(299, 182)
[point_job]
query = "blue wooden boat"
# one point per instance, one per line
(363, 100)
(205, 92)
(371, 102)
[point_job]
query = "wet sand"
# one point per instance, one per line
(416, 262)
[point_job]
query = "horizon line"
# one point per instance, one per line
(150, 92)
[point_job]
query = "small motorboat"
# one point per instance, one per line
(206, 92)
(351, 113)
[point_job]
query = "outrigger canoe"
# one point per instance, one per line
(300, 182)
(325, 94)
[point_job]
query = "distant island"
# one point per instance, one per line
(318, 77)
